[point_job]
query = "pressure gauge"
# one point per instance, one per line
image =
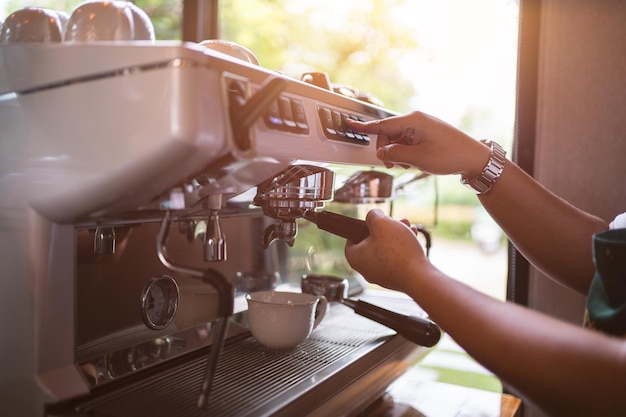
(159, 302)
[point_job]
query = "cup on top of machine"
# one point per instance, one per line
(231, 49)
(116, 20)
(32, 25)
(283, 320)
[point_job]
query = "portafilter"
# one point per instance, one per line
(288, 195)
(295, 193)
(418, 330)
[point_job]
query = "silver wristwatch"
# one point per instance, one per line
(492, 171)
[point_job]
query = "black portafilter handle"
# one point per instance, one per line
(355, 230)
(419, 330)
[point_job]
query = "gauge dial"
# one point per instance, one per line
(159, 302)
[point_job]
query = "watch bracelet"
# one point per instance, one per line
(491, 172)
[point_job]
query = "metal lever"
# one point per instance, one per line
(244, 113)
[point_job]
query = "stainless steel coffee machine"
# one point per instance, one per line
(133, 226)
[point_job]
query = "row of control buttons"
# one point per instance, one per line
(334, 126)
(287, 114)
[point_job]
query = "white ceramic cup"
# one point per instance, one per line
(232, 49)
(283, 320)
(33, 24)
(143, 27)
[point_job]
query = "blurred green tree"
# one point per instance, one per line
(166, 16)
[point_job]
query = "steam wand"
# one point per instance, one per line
(225, 306)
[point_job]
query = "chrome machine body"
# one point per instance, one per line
(125, 169)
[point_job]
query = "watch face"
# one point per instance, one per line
(159, 302)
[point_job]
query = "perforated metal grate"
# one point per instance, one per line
(250, 378)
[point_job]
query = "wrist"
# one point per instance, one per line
(478, 157)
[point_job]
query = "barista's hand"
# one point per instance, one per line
(391, 256)
(433, 146)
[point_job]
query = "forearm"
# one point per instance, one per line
(554, 364)
(551, 233)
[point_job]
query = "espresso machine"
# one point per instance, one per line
(147, 187)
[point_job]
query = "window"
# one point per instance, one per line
(453, 59)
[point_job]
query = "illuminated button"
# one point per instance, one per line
(272, 117)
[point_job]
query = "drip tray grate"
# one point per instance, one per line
(250, 379)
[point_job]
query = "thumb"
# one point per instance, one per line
(374, 219)
(394, 153)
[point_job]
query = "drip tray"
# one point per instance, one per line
(253, 380)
